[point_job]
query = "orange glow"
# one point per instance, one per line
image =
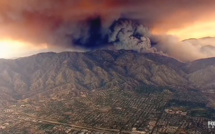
(14, 48)
(198, 30)
(195, 30)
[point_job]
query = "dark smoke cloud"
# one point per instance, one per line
(121, 34)
(89, 24)
(129, 34)
(52, 21)
(93, 35)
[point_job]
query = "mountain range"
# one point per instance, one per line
(99, 70)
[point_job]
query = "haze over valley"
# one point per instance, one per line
(107, 67)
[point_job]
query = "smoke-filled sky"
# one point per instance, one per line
(32, 26)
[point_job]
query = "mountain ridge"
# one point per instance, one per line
(98, 70)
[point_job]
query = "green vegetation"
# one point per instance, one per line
(148, 89)
(46, 126)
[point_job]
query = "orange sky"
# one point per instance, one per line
(199, 28)
(26, 25)
(11, 48)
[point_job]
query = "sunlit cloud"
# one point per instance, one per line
(196, 30)
(14, 48)
(60, 24)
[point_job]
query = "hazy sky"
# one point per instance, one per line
(31, 26)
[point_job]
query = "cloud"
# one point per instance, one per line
(84, 24)
(129, 35)
(51, 21)
(121, 34)
(209, 50)
(92, 35)
(187, 50)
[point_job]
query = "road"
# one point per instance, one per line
(98, 129)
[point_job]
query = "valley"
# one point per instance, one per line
(104, 92)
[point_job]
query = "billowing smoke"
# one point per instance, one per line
(94, 24)
(129, 35)
(123, 33)
(91, 35)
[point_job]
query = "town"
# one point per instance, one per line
(107, 111)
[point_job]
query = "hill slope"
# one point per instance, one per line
(98, 70)
(104, 91)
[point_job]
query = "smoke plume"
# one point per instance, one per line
(94, 24)
(123, 33)
(129, 35)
